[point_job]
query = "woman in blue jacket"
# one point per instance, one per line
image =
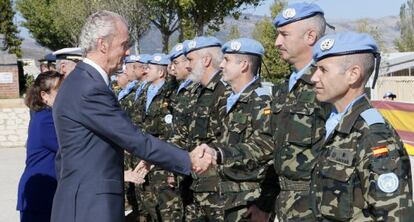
(38, 182)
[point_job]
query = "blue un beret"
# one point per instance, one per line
(178, 50)
(144, 58)
(295, 12)
(243, 46)
(131, 58)
(201, 42)
(159, 59)
(343, 44)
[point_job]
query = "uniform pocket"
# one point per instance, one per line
(337, 191)
(201, 124)
(236, 132)
(301, 121)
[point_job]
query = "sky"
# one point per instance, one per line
(345, 9)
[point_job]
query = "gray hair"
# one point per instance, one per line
(316, 23)
(214, 53)
(101, 24)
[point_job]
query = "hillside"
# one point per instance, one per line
(152, 40)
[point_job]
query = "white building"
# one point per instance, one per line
(397, 76)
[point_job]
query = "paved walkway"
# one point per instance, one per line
(11, 168)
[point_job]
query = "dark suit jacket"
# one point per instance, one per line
(38, 182)
(92, 132)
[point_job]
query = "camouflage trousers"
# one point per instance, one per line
(293, 206)
(163, 203)
(214, 207)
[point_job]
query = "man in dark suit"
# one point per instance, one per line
(93, 130)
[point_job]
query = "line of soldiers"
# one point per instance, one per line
(310, 149)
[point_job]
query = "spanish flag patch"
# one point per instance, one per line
(267, 111)
(379, 150)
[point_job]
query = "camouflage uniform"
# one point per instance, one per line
(206, 120)
(201, 125)
(132, 201)
(298, 122)
(246, 147)
(346, 184)
(182, 104)
(161, 201)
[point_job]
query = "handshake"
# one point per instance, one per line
(203, 157)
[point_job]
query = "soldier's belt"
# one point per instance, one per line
(213, 185)
(293, 185)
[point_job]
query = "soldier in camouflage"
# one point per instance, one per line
(244, 148)
(363, 172)
(182, 104)
(152, 113)
(204, 56)
(120, 83)
(298, 118)
(184, 99)
(199, 119)
(134, 70)
(127, 95)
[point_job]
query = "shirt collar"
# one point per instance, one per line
(335, 118)
(157, 86)
(99, 69)
(297, 75)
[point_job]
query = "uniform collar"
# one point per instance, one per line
(214, 81)
(245, 93)
(301, 74)
(359, 105)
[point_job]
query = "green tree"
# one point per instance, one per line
(9, 29)
(57, 23)
(234, 33)
(406, 41)
(39, 20)
(275, 69)
(211, 13)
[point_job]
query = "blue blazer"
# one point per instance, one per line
(38, 182)
(93, 132)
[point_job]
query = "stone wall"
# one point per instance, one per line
(14, 121)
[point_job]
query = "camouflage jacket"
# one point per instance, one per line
(206, 118)
(183, 105)
(245, 145)
(298, 122)
(128, 101)
(153, 121)
(363, 172)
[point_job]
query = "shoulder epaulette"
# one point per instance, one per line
(372, 116)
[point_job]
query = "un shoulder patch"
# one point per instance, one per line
(372, 116)
(261, 91)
